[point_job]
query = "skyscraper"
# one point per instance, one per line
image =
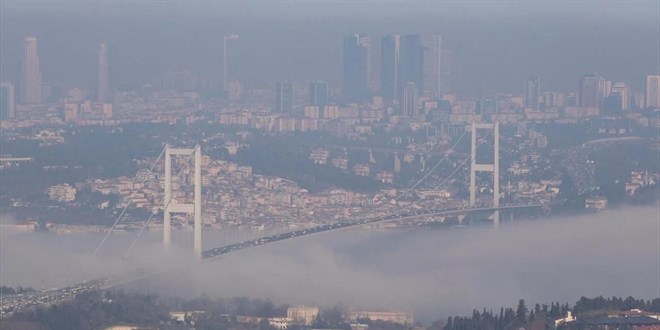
(7, 101)
(355, 65)
(432, 68)
(409, 102)
(612, 104)
(604, 87)
(446, 72)
(653, 91)
(412, 67)
(390, 58)
(102, 92)
(622, 90)
(30, 88)
(318, 93)
(284, 97)
(532, 92)
(589, 91)
(231, 58)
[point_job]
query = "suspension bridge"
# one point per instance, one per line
(14, 303)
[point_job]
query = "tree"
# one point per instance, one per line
(521, 312)
(450, 324)
(264, 324)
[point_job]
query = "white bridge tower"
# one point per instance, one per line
(195, 208)
(494, 167)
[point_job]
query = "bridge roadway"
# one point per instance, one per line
(385, 150)
(10, 304)
(216, 252)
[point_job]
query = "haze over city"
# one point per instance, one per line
(262, 165)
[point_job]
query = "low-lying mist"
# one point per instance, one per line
(433, 273)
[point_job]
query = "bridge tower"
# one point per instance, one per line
(170, 207)
(494, 167)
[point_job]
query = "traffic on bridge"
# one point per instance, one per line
(212, 253)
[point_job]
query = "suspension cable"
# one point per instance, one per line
(127, 205)
(144, 225)
(432, 169)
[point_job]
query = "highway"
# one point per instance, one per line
(18, 302)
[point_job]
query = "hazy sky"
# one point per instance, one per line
(496, 43)
(434, 273)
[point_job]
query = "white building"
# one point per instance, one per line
(569, 318)
(394, 317)
(61, 193)
(302, 314)
(596, 203)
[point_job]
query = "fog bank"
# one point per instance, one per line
(434, 273)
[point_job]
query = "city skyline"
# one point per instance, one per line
(317, 58)
(422, 65)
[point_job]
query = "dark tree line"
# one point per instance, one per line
(17, 290)
(541, 315)
(93, 310)
(616, 303)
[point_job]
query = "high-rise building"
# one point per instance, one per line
(604, 87)
(612, 104)
(318, 93)
(390, 60)
(7, 101)
(284, 97)
(103, 88)
(234, 91)
(486, 107)
(409, 101)
(30, 87)
(532, 92)
(446, 72)
(431, 67)
(653, 91)
(356, 71)
(622, 90)
(412, 67)
(231, 58)
(589, 94)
